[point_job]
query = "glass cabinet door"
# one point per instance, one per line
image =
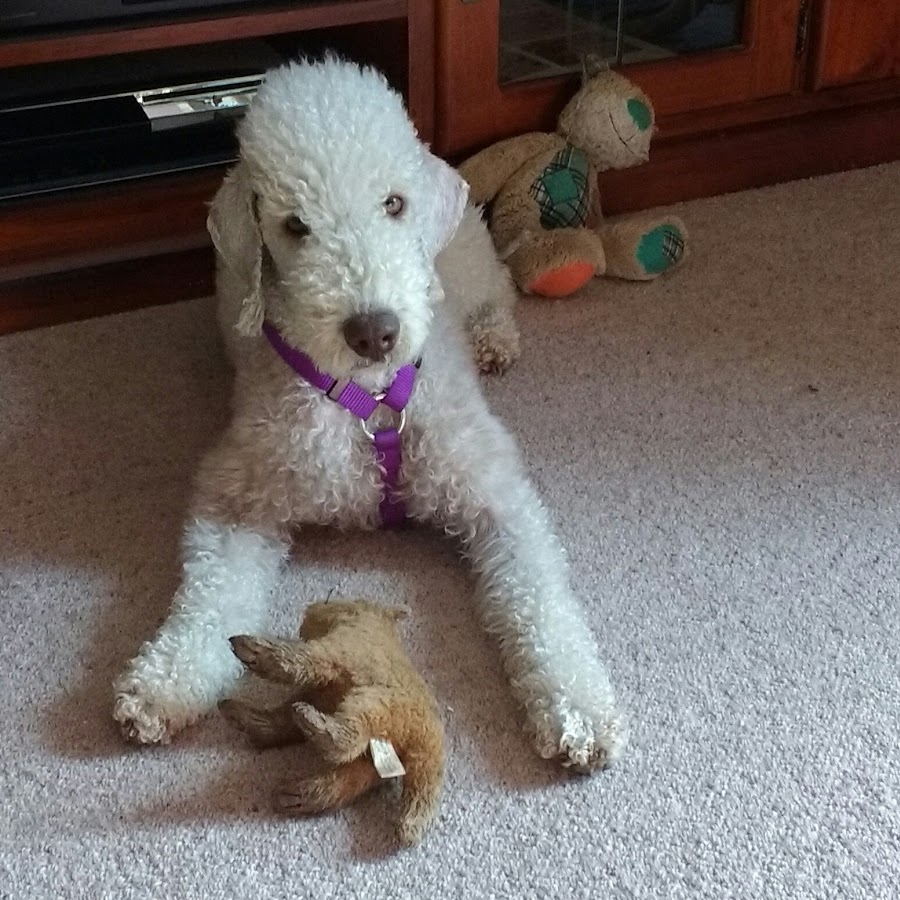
(548, 38)
(508, 66)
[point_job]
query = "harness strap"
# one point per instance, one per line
(386, 443)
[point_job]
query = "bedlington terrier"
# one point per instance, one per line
(344, 322)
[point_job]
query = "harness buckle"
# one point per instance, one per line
(365, 422)
(335, 391)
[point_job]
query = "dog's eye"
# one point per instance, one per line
(394, 204)
(296, 226)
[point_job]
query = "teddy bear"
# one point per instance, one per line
(356, 698)
(542, 201)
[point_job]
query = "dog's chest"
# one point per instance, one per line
(315, 462)
(326, 463)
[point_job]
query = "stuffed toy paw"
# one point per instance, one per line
(541, 196)
(356, 699)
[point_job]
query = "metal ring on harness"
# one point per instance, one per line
(364, 422)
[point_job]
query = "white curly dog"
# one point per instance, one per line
(327, 235)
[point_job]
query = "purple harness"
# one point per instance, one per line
(357, 400)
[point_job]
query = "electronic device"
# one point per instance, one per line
(113, 119)
(17, 15)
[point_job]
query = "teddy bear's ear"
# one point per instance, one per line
(591, 66)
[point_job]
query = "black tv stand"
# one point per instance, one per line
(73, 254)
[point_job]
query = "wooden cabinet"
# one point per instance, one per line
(802, 88)
(799, 88)
(474, 107)
(857, 41)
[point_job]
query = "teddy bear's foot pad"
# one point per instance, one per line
(661, 249)
(562, 281)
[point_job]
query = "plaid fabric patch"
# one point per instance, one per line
(660, 248)
(561, 190)
(673, 245)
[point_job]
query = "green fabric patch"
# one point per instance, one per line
(640, 112)
(561, 190)
(660, 248)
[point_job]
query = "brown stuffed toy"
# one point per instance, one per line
(540, 192)
(357, 699)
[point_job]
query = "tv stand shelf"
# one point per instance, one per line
(86, 43)
(116, 247)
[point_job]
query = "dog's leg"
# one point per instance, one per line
(188, 667)
(480, 291)
(547, 649)
(549, 654)
(495, 339)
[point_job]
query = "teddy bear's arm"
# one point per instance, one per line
(265, 727)
(295, 663)
(487, 171)
(339, 738)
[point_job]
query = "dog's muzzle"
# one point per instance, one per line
(372, 335)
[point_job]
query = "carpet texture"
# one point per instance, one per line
(721, 452)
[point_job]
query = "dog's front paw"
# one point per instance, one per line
(494, 352)
(581, 741)
(145, 719)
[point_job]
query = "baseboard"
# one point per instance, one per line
(102, 290)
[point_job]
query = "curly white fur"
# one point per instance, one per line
(329, 142)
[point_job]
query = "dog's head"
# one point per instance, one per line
(334, 216)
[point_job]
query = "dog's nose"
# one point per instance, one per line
(372, 335)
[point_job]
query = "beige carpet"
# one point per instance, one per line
(721, 449)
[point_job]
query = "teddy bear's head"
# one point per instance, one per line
(610, 118)
(320, 618)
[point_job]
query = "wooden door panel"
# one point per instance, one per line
(856, 41)
(475, 109)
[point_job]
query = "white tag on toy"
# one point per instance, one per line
(387, 763)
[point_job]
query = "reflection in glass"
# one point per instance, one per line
(543, 38)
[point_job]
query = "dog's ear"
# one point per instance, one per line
(234, 228)
(449, 193)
